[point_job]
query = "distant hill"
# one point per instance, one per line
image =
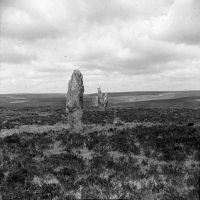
(121, 99)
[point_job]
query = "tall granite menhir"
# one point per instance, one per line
(74, 101)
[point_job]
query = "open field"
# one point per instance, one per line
(121, 98)
(152, 154)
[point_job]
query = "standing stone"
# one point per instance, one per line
(105, 100)
(100, 96)
(74, 102)
(95, 101)
(101, 100)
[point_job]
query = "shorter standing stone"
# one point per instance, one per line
(101, 100)
(74, 101)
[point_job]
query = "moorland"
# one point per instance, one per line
(152, 152)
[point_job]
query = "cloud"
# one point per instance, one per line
(119, 44)
(181, 25)
(16, 54)
(20, 24)
(54, 68)
(30, 20)
(129, 56)
(16, 58)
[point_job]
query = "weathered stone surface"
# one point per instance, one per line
(101, 100)
(74, 101)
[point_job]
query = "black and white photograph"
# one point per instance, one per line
(99, 99)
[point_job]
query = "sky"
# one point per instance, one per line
(119, 45)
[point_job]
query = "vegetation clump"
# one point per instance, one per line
(154, 154)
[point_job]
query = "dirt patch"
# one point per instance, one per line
(36, 129)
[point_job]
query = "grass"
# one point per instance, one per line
(128, 163)
(153, 154)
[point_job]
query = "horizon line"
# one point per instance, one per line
(103, 92)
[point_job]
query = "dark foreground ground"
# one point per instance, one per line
(153, 153)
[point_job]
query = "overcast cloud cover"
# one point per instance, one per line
(120, 45)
